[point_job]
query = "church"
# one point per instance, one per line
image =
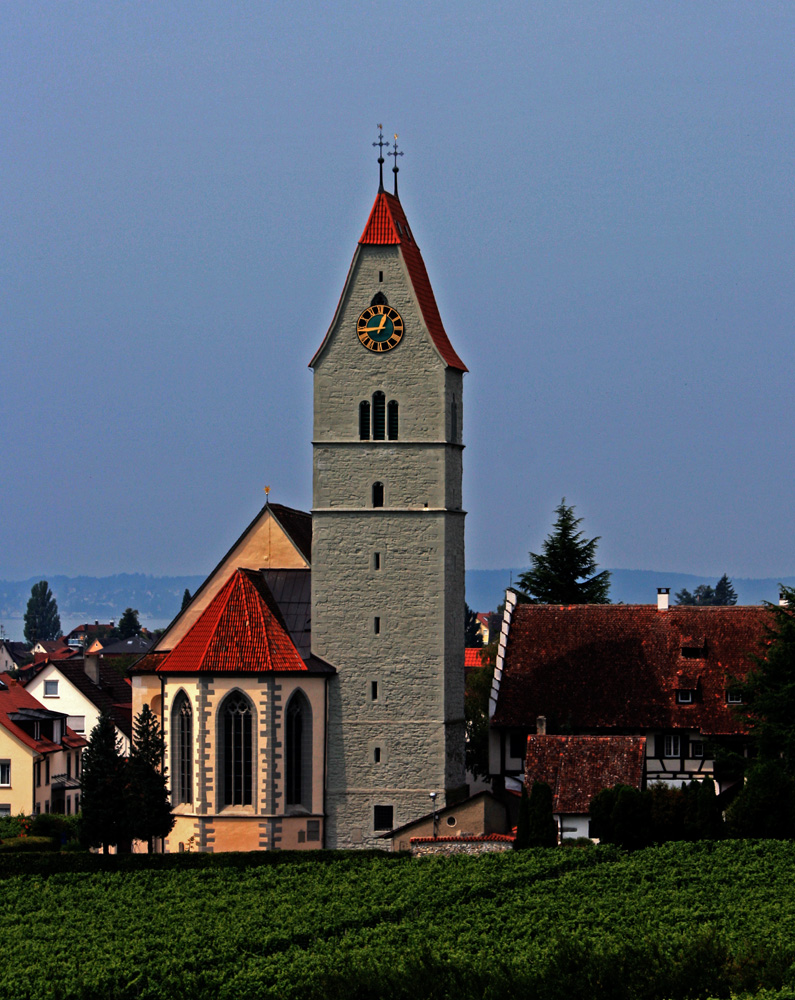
(312, 692)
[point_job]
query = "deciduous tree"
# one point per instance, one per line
(42, 620)
(129, 625)
(565, 572)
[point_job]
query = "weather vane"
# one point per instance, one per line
(267, 491)
(394, 152)
(381, 145)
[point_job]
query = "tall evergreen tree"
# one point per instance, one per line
(725, 594)
(186, 599)
(129, 626)
(562, 574)
(103, 788)
(542, 828)
(42, 620)
(148, 804)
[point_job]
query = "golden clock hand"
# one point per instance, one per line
(377, 329)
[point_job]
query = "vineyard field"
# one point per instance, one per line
(676, 921)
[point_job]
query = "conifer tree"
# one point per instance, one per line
(186, 599)
(562, 574)
(42, 620)
(148, 804)
(473, 637)
(129, 626)
(725, 594)
(103, 788)
(522, 839)
(542, 828)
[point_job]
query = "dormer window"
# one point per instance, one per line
(685, 697)
(734, 697)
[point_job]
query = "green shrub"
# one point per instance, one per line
(15, 845)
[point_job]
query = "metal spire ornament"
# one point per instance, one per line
(381, 145)
(394, 152)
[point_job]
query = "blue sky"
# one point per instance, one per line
(603, 194)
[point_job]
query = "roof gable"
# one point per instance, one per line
(388, 226)
(242, 631)
(279, 537)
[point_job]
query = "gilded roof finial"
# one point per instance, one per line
(381, 145)
(394, 152)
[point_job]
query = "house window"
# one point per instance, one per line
(38, 773)
(182, 748)
(364, 420)
(392, 420)
(77, 723)
(5, 809)
(47, 772)
(313, 829)
(5, 773)
(46, 805)
(298, 752)
(51, 689)
(451, 820)
(68, 805)
(68, 766)
(378, 494)
(684, 697)
(382, 818)
(379, 416)
(236, 744)
(697, 748)
(734, 697)
(77, 804)
(671, 746)
(517, 745)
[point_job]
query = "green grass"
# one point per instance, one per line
(677, 921)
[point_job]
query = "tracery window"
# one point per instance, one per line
(236, 748)
(298, 752)
(182, 749)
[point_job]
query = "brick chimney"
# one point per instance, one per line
(662, 598)
(541, 725)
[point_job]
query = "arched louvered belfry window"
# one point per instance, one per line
(364, 420)
(181, 750)
(236, 765)
(298, 752)
(379, 416)
(392, 420)
(378, 494)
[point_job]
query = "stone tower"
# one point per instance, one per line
(388, 540)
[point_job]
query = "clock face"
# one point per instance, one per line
(380, 328)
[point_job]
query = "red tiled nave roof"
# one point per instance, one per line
(241, 630)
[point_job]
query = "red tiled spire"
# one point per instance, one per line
(388, 225)
(239, 631)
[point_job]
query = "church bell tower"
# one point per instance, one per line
(388, 538)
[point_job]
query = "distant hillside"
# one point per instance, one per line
(91, 598)
(485, 588)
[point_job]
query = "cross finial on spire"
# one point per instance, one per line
(381, 145)
(394, 152)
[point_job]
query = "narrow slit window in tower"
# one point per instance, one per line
(376, 560)
(392, 420)
(378, 494)
(364, 420)
(377, 625)
(379, 416)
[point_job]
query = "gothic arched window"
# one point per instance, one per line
(378, 494)
(364, 420)
(392, 420)
(379, 416)
(379, 299)
(298, 752)
(182, 749)
(236, 768)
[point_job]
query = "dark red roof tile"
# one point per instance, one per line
(616, 667)
(577, 767)
(240, 631)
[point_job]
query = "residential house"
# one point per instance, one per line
(664, 673)
(81, 690)
(12, 655)
(40, 755)
(578, 767)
